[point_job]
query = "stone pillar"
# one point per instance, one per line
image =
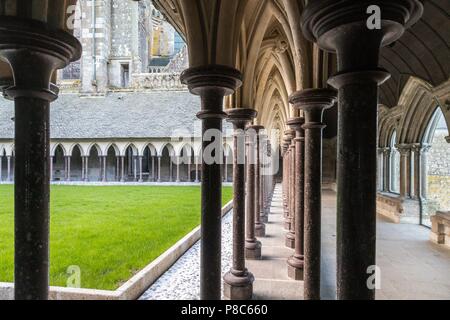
(8, 163)
(82, 168)
(296, 261)
(424, 171)
(212, 83)
(178, 168)
(287, 179)
(68, 168)
(135, 168)
(105, 175)
(252, 245)
(260, 227)
(387, 169)
(341, 27)
(225, 169)
(159, 168)
(34, 53)
(196, 169)
(313, 102)
(238, 282)
(140, 170)
(117, 168)
(405, 153)
(290, 236)
(51, 168)
(153, 169)
(86, 170)
(122, 168)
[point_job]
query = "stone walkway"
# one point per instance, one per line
(411, 266)
(182, 280)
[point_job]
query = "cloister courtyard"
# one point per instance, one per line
(109, 232)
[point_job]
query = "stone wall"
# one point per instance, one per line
(439, 170)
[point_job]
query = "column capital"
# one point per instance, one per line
(313, 102)
(421, 147)
(330, 23)
(404, 148)
(222, 79)
(34, 52)
(297, 125)
(240, 117)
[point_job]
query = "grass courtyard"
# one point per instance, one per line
(110, 233)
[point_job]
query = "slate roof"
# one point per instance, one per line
(118, 115)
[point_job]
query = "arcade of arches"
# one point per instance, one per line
(361, 107)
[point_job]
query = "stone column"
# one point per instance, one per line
(86, 170)
(238, 282)
(196, 169)
(105, 175)
(341, 27)
(140, 170)
(82, 168)
(290, 236)
(117, 168)
(296, 261)
(260, 227)
(225, 170)
(122, 168)
(68, 168)
(135, 168)
(252, 245)
(153, 169)
(8, 173)
(34, 53)
(177, 158)
(263, 146)
(387, 169)
(424, 171)
(51, 168)
(65, 168)
(212, 83)
(313, 102)
(405, 153)
(159, 168)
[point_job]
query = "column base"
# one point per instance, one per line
(295, 268)
(260, 230)
(264, 219)
(287, 225)
(290, 240)
(253, 250)
(238, 287)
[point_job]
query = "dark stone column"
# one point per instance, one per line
(260, 227)
(211, 83)
(313, 102)
(252, 245)
(238, 282)
(341, 26)
(290, 236)
(296, 261)
(34, 53)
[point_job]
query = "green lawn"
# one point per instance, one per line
(109, 232)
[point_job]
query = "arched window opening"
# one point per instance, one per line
(394, 165)
(76, 164)
(59, 168)
(435, 157)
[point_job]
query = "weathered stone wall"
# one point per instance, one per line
(439, 170)
(439, 155)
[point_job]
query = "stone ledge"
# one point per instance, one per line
(133, 288)
(398, 209)
(440, 228)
